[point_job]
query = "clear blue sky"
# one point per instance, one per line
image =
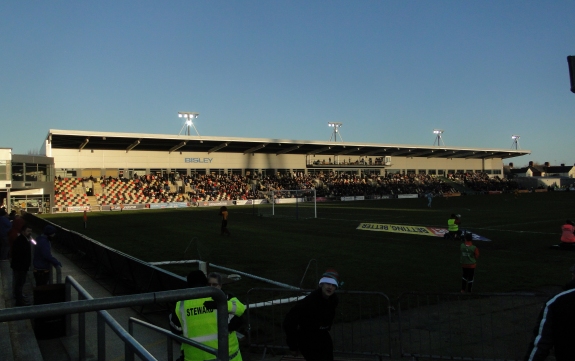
(390, 71)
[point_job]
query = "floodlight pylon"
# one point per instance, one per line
(515, 144)
(335, 126)
(438, 138)
(189, 122)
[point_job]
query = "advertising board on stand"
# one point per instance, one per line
(168, 205)
(407, 196)
(78, 208)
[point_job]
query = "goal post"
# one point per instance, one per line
(297, 203)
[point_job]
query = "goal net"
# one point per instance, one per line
(293, 203)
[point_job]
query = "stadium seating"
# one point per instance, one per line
(156, 189)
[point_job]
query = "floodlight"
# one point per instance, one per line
(438, 138)
(335, 126)
(189, 116)
(515, 143)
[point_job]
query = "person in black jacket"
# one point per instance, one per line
(556, 327)
(308, 323)
(20, 264)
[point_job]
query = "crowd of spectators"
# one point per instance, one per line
(206, 187)
(482, 183)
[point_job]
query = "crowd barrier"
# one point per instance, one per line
(125, 270)
(440, 326)
(362, 325)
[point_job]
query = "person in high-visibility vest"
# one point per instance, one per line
(235, 320)
(197, 319)
(453, 226)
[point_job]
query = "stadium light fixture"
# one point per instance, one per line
(335, 126)
(189, 122)
(438, 137)
(515, 144)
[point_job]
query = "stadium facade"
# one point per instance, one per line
(28, 180)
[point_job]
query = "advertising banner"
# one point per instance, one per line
(407, 196)
(118, 207)
(78, 208)
(419, 230)
(288, 200)
(167, 205)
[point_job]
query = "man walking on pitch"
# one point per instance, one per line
(224, 214)
(468, 258)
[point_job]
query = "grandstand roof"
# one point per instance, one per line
(76, 139)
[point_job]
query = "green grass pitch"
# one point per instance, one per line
(518, 259)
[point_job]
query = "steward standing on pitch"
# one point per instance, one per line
(453, 226)
(308, 323)
(469, 255)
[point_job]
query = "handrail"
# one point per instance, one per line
(102, 304)
(170, 335)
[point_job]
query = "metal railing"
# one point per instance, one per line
(495, 326)
(362, 325)
(86, 303)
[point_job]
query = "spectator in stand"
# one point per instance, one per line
(555, 328)
(5, 227)
(567, 235)
(43, 258)
(20, 264)
(15, 231)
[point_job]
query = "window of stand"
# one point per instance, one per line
(268, 172)
(217, 171)
(4, 166)
(284, 172)
(17, 171)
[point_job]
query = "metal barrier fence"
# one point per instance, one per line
(362, 325)
(132, 347)
(470, 327)
(125, 270)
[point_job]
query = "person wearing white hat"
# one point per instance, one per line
(308, 323)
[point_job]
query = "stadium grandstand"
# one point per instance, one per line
(80, 170)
